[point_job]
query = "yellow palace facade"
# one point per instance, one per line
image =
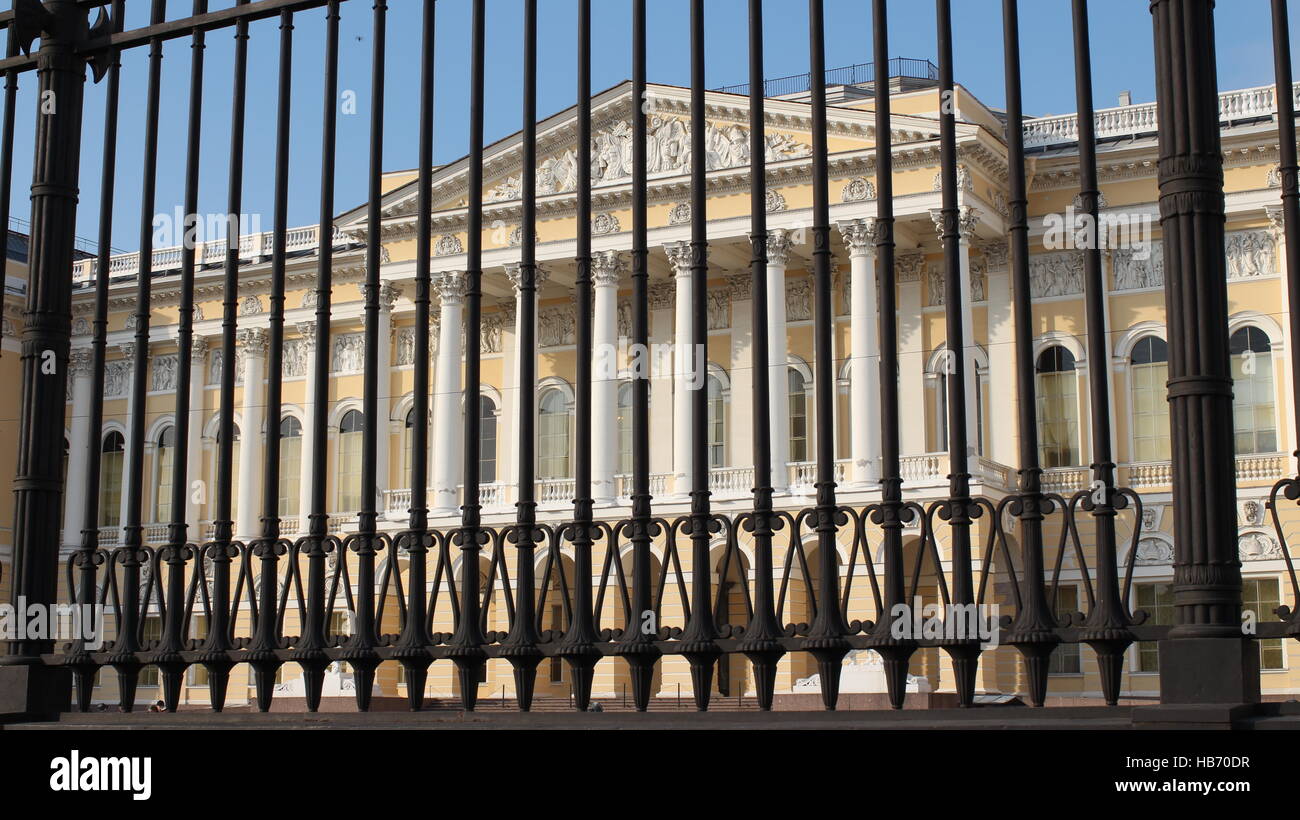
(1135, 308)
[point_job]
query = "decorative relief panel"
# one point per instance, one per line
(798, 299)
(668, 151)
(1055, 274)
(555, 326)
(1250, 254)
(858, 189)
(163, 372)
(349, 353)
(294, 363)
(448, 245)
(117, 378)
(1133, 272)
(1258, 546)
(719, 307)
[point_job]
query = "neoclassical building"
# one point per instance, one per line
(1136, 363)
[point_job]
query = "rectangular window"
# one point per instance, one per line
(290, 475)
(151, 632)
(198, 675)
(1158, 601)
(1261, 596)
(1066, 657)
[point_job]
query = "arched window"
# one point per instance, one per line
(717, 421)
(552, 435)
(625, 428)
(798, 415)
(1150, 411)
(165, 458)
(112, 452)
(234, 471)
(351, 433)
(406, 447)
(290, 465)
(1058, 408)
(1253, 418)
(487, 436)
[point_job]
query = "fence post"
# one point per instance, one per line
(1206, 662)
(26, 686)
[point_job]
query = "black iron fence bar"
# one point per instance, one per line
(467, 643)
(176, 554)
(359, 650)
(825, 639)
(636, 643)
(1290, 186)
(267, 549)
(578, 646)
(698, 641)
(1031, 631)
(759, 638)
(520, 645)
(415, 637)
(217, 643)
(959, 509)
(87, 559)
(1108, 620)
(1207, 571)
(895, 652)
(132, 552)
(309, 650)
(1289, 487)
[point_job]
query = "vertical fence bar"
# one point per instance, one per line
(698, 641)
(520, 646)
(578, 648)
(1106, 629)
(637, 643)
(466, 648)
(825, 638)
(309, 651)
(759, 641)
(958, 509)
(132, 552)
(1207, 571)
(177, 552)
(217, 645)
(359, 651)
(1031, 631)
(895, 652)
(267, 549)
(88, 558)
(47, 327)
(412, 650)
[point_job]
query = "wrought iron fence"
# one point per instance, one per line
(271, 601)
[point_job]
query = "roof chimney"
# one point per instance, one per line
(1126, 98)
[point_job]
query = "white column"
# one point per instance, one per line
(1002, 355)
(79, 442)
(864, 335)
(128, 466)
(1284, 441)
(194, 442)
(679, 256)
(778, 357)
(740, 422)
(447, 426)
(606, 268)
(508, 420)
(513, 271)
(661, 380)
(966, 345)
(252, 341)
(911, 357)
(307, 330)
(388, 294)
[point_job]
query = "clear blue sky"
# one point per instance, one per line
(1122, 60)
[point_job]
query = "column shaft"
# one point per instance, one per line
(778, 254)
(447, 394)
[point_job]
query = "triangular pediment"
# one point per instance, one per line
(788, 138)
